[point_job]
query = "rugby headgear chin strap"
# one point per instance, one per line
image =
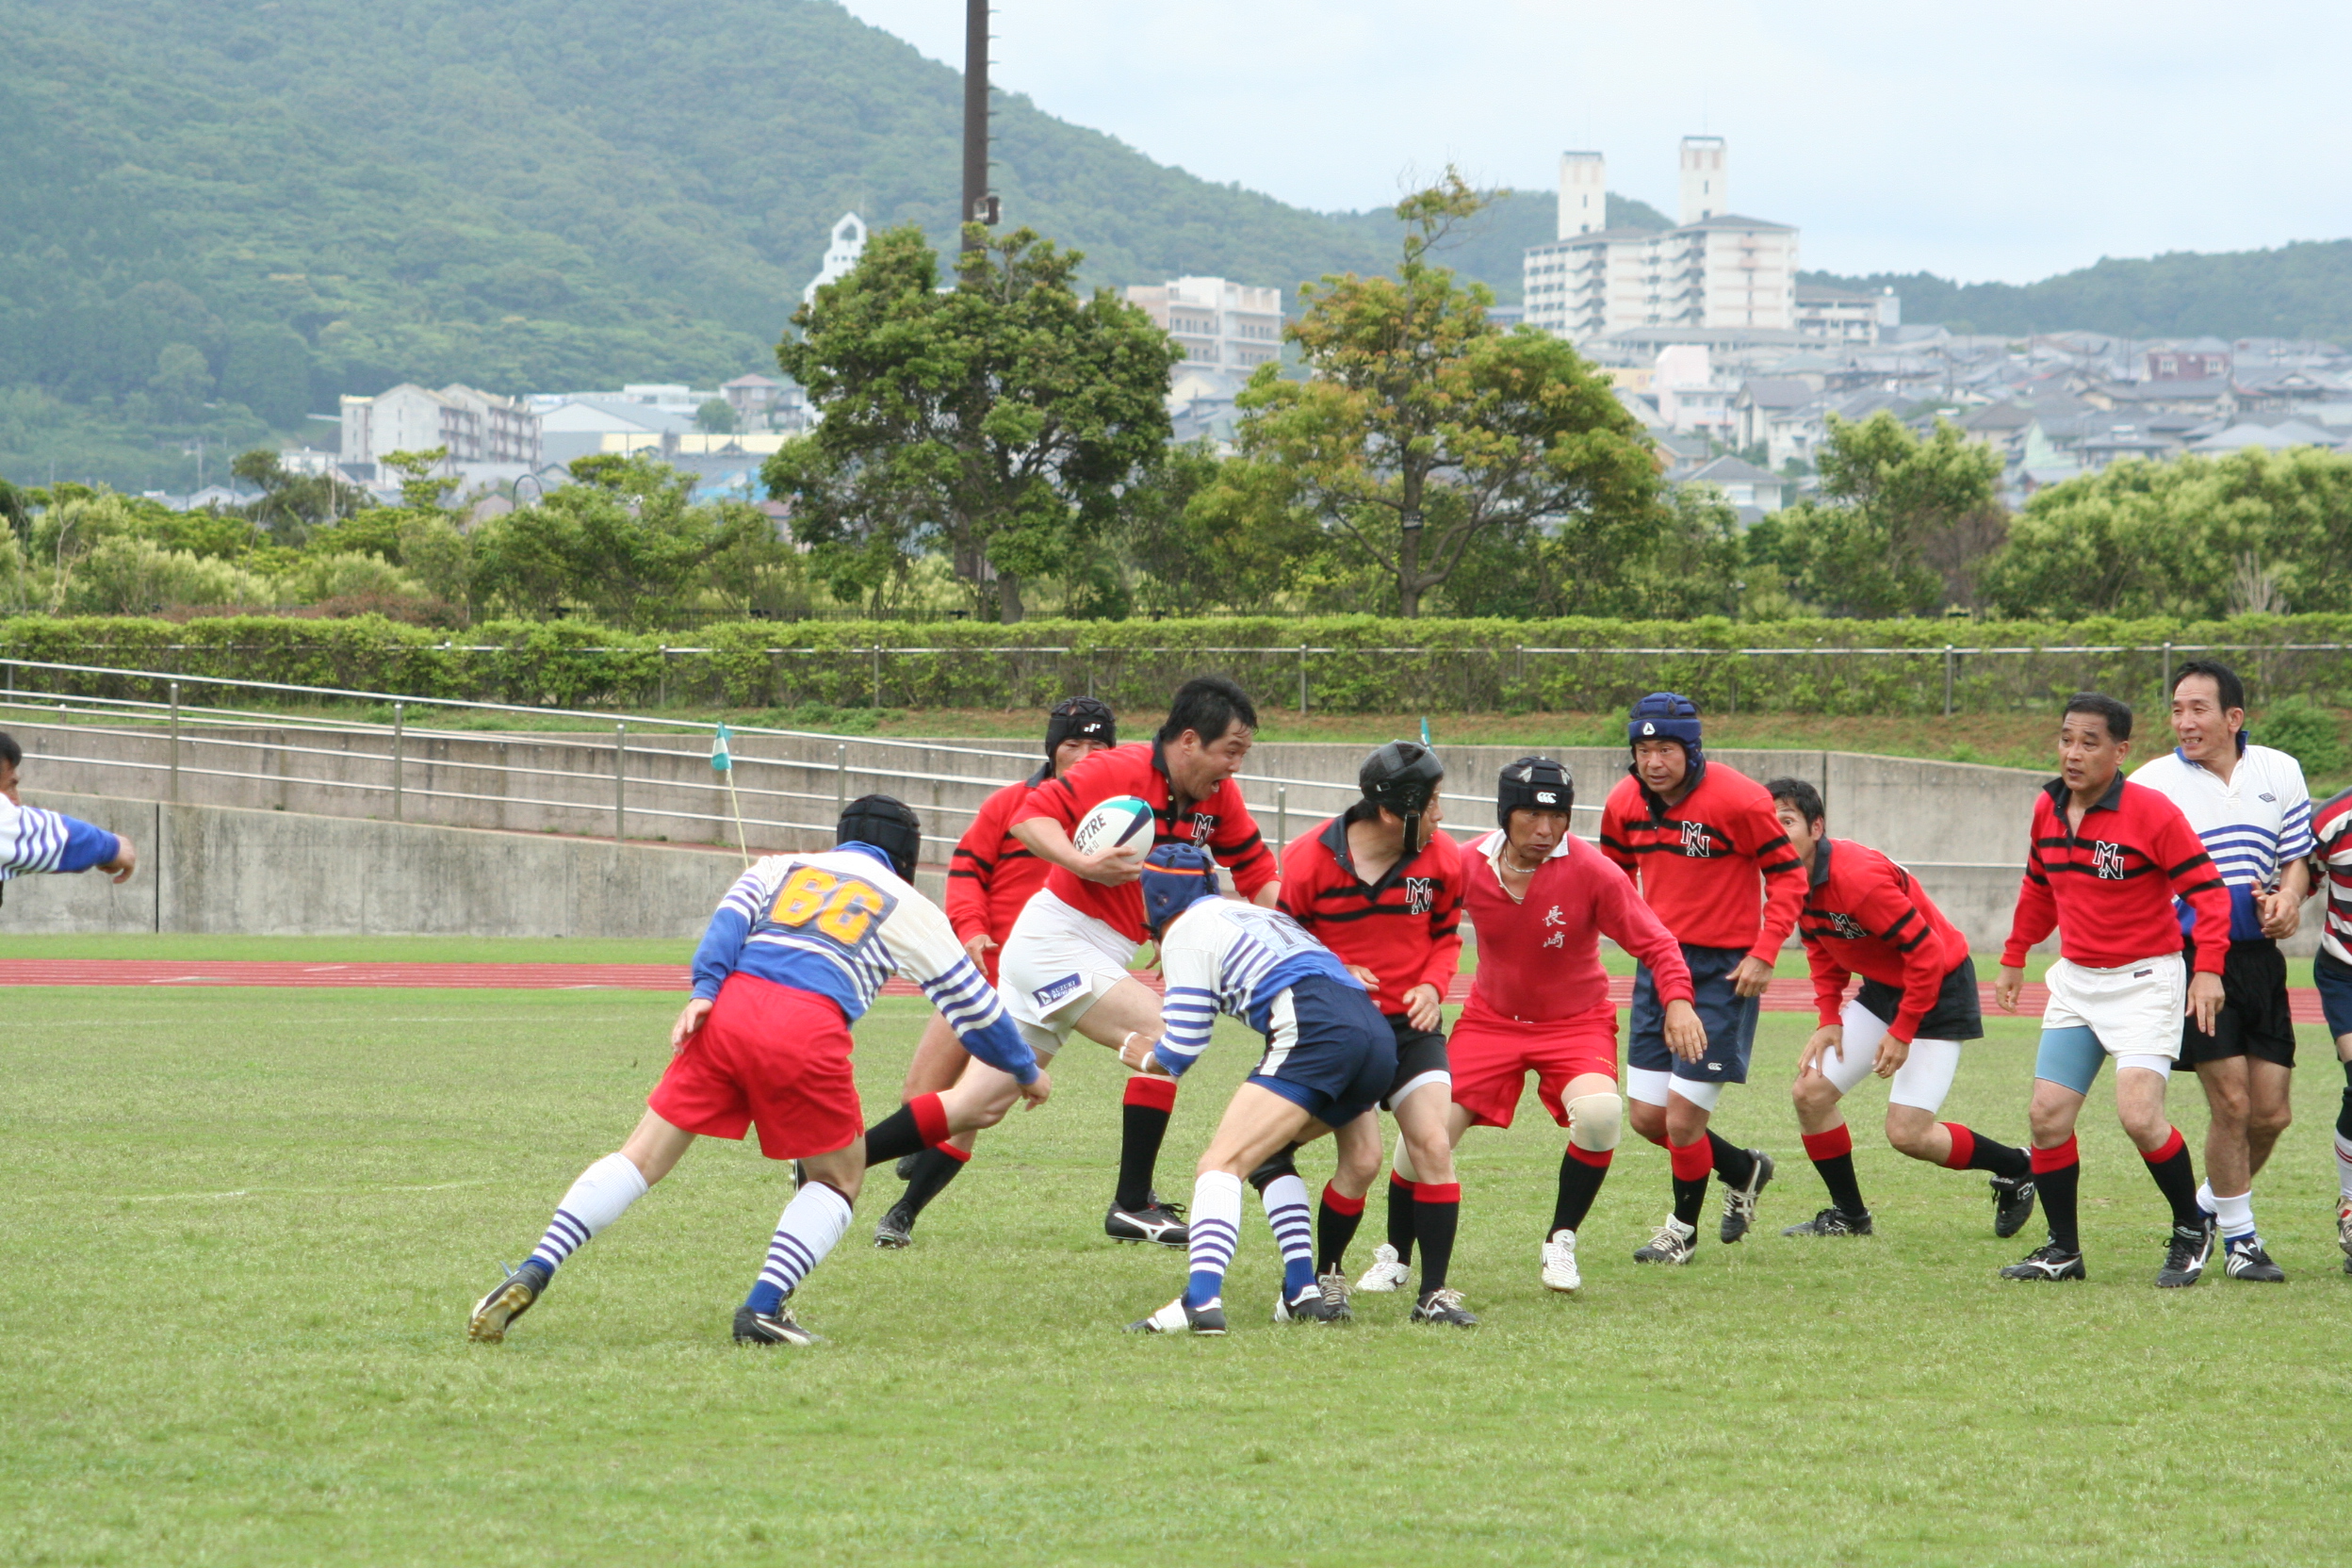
(1402, 776)
(1175, 877)
(887, 824)
(1666, 716)
(1533, 784)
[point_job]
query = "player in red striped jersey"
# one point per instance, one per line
(1714, 865)
(2105, 860)
(1864, 915)
(2331, 972)
(989, 878)
(1393, 914)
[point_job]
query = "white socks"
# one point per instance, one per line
(603, 1193)
(813, 1222)
(2344, 1167)
(2235, 1215)
(1286, 1211)
(1216, 1227)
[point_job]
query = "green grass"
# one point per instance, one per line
(242, 1228)
(356, 950)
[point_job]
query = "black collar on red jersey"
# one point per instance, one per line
(1041, 776)
(1335, 840)
(1820, 862)
(2059, 796)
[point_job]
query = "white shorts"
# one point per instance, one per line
(1651, 1086)
(1057, 963)
(2135, 1009)
(1923, 1080)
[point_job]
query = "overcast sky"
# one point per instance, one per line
(2003, 139)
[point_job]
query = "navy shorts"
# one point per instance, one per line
(2333, 977)
(1728, 1018)
(1328, 1051)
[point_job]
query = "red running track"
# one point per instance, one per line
(1785, 996)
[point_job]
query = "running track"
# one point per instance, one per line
(1785, 996)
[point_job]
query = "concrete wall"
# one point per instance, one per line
(229, 870)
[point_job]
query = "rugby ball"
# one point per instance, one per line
(1121, 818)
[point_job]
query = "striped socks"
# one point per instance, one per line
(1286, 1211)
(1216, 1226)
(601, 1194)
(813, 1222)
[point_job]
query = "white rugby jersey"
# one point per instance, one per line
(33, 840)
(841, 922)
(2255, 823)
(1222, 955)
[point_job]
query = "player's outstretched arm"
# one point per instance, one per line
(125, 860)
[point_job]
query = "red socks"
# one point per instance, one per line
(1828, 1146)
(1963, 1147)
(1597, 1158)
(1150, 1090)
(930, 1118)
(961, 1156)
(2173, 1145)
(1694, 1161)
(1339, 1202)
(2045, 1160)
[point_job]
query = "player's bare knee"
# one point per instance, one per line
(1814, 1094)
(1597, 1122)
(2267, 1122)
(1912, 1134)
(1649, 1122)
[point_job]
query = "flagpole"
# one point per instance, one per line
(723, 760)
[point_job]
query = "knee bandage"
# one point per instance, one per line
(1402, 1164)
(1281, 1165)
(1597, 1122)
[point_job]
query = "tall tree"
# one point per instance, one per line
(999, 421)
(1421, 426)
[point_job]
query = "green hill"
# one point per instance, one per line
(2299, 290)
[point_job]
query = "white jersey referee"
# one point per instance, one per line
(2250, 805)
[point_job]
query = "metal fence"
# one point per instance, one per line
(1947, 679)
(218, 739)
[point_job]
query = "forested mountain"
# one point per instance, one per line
(2300, 290)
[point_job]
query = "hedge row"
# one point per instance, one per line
(1349, 664)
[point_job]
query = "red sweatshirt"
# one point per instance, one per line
(1539, 958)
(1406, 927)
(1716, 866)
(1221, 822)
(1864, 915)
(2109, 890)
(992, 873)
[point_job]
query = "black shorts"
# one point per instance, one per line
(2255, 1021)
(1956, 1014)
(1419, 1053)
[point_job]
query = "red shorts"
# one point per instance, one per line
(771, 1056)
(1491, 1056)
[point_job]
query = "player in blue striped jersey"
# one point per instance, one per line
(2249, 807)
(33, 840)
(1330, 1056)
(793, 955)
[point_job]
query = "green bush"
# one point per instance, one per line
(1359, 663)
(2307, 732)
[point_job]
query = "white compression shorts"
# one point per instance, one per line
(1057, 962)
(1923, 1081)
(1651, 1087)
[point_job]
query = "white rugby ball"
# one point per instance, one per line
(1121, 818)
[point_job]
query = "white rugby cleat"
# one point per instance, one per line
(1560, 1263)
(1386, 1273)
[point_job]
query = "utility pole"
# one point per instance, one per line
(980, 205)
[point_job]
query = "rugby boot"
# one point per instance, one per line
(2245, 1260)
(1740, 1202)
(1560, 1264)
(2343, 1232)
(897, 1229)
(1180, 1318)
(771, 1327)
(2049, 1261)
(2185, 1254)
(1311, 1305)
(1832, 1222)
(1674, 1243)
(906, 1167)
(1444, 1306)
(1159, 1222)
(513, 1298)
(2013, 1204)
(1389, 1273)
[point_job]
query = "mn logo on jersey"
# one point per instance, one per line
(2108, 860)
(1203, 823)
(1694, 841)
(1420, 894)
(1848, 928)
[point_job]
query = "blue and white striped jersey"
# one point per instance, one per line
(2257, 821)
(1222, 955)
(32, 839)
(841, 922)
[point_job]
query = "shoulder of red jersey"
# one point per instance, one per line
(2332, 817)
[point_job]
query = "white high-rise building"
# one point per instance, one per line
(849, 243)
(1225, 329)
(1716, 270)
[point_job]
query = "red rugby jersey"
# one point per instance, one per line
(1540, 957)
(1406, 927)
(1716, 866)
(992, 873)
(1222, 823)
(2108, 891)
(1864, 915)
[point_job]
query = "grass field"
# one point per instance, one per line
(242, 1229)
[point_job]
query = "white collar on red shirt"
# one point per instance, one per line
(1490, 849)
